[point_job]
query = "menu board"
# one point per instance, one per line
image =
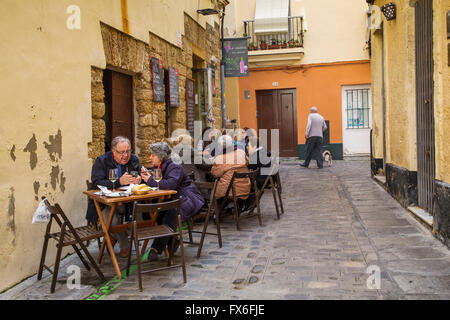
(174, 97)
(157, 80)
(190, 103)
(235, 57)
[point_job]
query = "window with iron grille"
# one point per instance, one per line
(358, 109)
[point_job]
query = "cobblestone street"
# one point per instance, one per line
(337, 223)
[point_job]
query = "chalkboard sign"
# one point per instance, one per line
(174, 97)
(157, 80)
(190, 103)
(235, 57)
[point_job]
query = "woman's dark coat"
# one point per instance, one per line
(174, 178)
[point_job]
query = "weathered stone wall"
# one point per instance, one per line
(206, 43)
(123, 52)
(401, 184)
(97, 146)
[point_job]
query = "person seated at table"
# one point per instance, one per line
(191, 160)
(232, 159)
(239, 138)
(258, 157)
(211, 148)
(173, 178)
(120, 158)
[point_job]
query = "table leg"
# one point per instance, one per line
(108, 227)
(107, 237)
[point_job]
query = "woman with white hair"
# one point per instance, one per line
(173, 178)
(224, 165)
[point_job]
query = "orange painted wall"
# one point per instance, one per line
(318, 85)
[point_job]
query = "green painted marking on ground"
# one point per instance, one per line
(112, 285)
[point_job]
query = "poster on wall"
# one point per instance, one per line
(190, 103)
(235, 57)
(157, 80)
(174, 97)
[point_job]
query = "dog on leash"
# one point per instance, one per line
(327, 157)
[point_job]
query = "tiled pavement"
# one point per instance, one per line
(337, 223)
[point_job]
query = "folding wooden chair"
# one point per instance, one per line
(253, 194)
(154, 232)
(207, 212)
(68, 236)
(273, 180)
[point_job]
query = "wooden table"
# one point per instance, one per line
(113, 202)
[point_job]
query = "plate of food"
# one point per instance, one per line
(140, 189)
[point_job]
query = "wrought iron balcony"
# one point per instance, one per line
(293, 38)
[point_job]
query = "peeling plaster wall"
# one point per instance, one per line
(46, 103)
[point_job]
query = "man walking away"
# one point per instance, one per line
(314, 138)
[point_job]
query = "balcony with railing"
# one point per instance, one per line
(274, 47)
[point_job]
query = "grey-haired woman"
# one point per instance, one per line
(173, 178)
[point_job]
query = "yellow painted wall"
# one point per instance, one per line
(377, 99)
(400, 94)
(441, 90)
(232, 99)
(399, 35)
(46, 89)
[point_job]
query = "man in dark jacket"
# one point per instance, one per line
(128, 169)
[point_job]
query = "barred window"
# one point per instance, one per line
(357, 108)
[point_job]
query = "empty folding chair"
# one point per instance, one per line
(207, 212)
(67, 236)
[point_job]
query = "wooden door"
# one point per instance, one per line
(119, 106)
(277, 109)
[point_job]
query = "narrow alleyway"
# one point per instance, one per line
(337, 223)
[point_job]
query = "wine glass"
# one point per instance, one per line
(112, 175)
(157, 175)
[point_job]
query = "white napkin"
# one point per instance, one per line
(129, 187)
(104, 189)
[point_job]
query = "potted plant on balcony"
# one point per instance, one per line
(284, 44)
(273, 44)
(251, 46)
(263, 45)
(291, 43)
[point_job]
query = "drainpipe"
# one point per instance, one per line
(222, 71)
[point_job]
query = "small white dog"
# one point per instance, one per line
(327, 157)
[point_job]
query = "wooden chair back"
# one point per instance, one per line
(67, 236)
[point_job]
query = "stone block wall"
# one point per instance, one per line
(126, 53)
(97, 146)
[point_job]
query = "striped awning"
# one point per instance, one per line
(271, 16)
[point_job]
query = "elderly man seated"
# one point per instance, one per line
(128, 168)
